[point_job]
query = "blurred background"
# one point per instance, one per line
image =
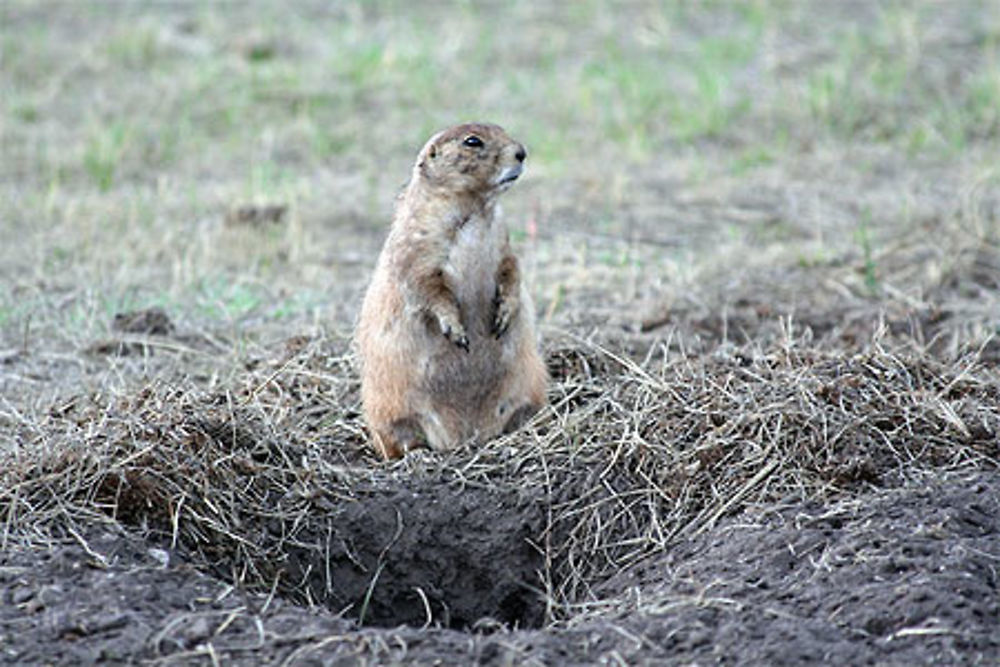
(704, 166)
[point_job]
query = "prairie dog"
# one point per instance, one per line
(446, 334)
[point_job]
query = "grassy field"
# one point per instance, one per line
(662, 138)
(807, 191)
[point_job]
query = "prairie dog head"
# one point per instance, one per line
(471, 159)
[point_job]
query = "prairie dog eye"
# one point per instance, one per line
(473, 141)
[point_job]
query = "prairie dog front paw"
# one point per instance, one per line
(505, 309)
(452, 329)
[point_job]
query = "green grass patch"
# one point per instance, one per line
(221, 298)
(863, 237)
(103, 153)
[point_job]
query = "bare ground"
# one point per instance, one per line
(905, 576)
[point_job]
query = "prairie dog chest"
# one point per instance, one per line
(474, 257)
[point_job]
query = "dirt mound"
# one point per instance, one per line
(901, 576)
(608, 514)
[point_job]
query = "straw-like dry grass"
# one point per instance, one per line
(633, 456)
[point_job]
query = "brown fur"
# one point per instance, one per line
(446, 334)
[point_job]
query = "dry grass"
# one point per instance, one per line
(632, 456)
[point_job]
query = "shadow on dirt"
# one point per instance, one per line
(426, 554)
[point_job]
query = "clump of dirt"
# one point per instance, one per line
(137, 326)
(255, 215)
(151, 321)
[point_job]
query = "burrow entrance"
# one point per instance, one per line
(429, 555)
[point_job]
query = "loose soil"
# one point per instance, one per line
(907, 576)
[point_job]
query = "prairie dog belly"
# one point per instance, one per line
(470, 378)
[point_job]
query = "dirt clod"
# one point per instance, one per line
(255, 215)
(152, 321)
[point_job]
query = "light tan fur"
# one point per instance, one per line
(446, 334)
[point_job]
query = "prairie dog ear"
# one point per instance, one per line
(427, 164)
(430, 148)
